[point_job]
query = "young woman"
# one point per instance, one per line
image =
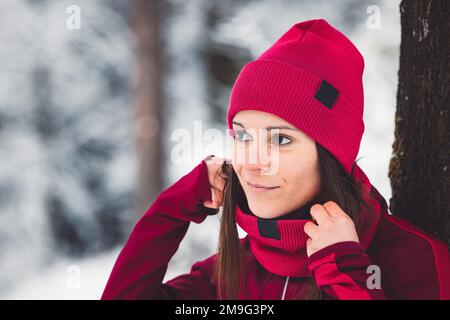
(316, 227)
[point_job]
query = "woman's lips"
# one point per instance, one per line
(259, 189)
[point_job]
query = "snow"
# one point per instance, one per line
(64, 130)
(67, 279)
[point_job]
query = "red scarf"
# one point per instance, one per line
(280, 244)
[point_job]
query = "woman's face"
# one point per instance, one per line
(270, 152)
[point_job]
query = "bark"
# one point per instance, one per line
(419, 169)
(146, 19)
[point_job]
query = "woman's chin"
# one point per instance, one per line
(264, 212)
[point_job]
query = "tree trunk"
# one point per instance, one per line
(146, 20)
(419, 169)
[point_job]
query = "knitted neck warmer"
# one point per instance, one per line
(279, 244)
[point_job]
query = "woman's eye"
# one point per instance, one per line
(281, 140)
(241, 135)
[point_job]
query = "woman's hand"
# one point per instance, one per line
(216, 181)
(333, 226)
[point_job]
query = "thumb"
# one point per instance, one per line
(308, 247)
(210, 204)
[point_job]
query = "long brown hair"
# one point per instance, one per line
(337, 186)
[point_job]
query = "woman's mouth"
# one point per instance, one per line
(257, 188)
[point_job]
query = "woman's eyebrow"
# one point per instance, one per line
(282, 127)
(237, 123)
(268, 128)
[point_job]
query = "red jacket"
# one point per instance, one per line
(413, 264)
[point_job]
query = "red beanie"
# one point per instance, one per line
(312, 78)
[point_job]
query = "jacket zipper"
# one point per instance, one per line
(285, 288)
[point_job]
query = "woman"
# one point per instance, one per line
(316, 227)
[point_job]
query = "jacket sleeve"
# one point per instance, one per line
(424, 274)
(141, 265)
(341, 272)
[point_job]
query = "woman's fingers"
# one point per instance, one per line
(333, 209)
(213, 195)
(319, 213)
(310, 229)
(216, 199)
(210, 204)
(216, 180)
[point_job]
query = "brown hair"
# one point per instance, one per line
(337, 186)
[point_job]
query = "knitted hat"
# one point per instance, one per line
(312, 78)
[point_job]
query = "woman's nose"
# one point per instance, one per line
(257, 155)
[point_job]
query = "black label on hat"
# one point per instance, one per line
(268, 229)
(327, 94)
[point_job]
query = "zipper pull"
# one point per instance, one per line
(285, 287)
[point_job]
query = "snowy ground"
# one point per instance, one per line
(85, 279)
(67, 280)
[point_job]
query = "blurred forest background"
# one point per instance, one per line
(86, 117)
